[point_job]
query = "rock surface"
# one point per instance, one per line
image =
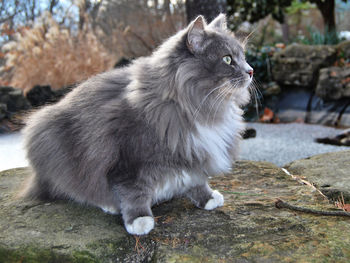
(344, 49)
(12, 104)
(298, 65)
(333, 83)
(41, 95)
(330, 113)
(248, 228)
(13, 99)
(329, 172)
(314, 83)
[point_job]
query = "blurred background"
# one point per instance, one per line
(300, 51)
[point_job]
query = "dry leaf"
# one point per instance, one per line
(267, 116)
(341, 204)
(346, 80)
(333, 74)
(346, 207)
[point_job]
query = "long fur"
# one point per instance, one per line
(129, 138)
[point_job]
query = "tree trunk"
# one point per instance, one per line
(53, 3)
(208, 8)
(327, 10)
(82, 13)
(285, 30)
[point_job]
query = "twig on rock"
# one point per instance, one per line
(281, 204)
(304, 182)
(138, 245)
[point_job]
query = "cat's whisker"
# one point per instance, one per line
(256, 94)
(235, 85)
(195, 115)
(226, 92)
(220, 97)
(206, 97)
(257, 102)
(222, 94)
(219, 104)
(231, 96)
(256, 87)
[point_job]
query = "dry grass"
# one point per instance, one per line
(140, 34)
(47, 54)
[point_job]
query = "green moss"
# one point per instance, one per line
(35, 255)
(113, 248)
(193, 257)
(83, 257)
(247, 228)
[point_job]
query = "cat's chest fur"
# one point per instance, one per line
(176, 185)
(215, 143)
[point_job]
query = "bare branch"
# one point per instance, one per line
(281, 204)
(53, 3)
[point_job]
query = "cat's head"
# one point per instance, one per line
(218, 48)
(215, 61)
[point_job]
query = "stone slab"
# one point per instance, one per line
(329, 172)
(248, 228)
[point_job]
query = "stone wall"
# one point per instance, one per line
(298, 65)
(314, 83)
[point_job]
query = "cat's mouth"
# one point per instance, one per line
(232, 86)
(248, 82)
(244, 83)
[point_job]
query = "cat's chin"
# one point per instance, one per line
(247, 83)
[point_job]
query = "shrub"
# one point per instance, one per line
(47, 54)
(260, 61)
(315, 37)
(136, 33)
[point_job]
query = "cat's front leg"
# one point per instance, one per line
(204, 197)
(136, 211)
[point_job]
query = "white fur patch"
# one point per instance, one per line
(109, 210)
(216, 140)
(217, 200)
(140, 226)
(132, 92)
(174, 186)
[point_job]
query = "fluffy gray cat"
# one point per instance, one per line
(135, 136)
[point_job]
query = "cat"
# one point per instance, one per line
(155, 129)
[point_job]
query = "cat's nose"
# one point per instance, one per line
(250, 72)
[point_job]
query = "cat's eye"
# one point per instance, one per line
(227, 60)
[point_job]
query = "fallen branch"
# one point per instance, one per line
(281, 204)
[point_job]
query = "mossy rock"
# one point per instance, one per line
(329, 172)
(248, 228)
(298, 65)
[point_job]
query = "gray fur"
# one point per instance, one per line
(123, 138)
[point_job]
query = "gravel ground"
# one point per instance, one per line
(283, 143)
(276, 143)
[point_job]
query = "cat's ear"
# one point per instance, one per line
(195, 34)
(219, 22)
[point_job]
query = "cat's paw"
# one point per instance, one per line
(217, 200)
(140, 226)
